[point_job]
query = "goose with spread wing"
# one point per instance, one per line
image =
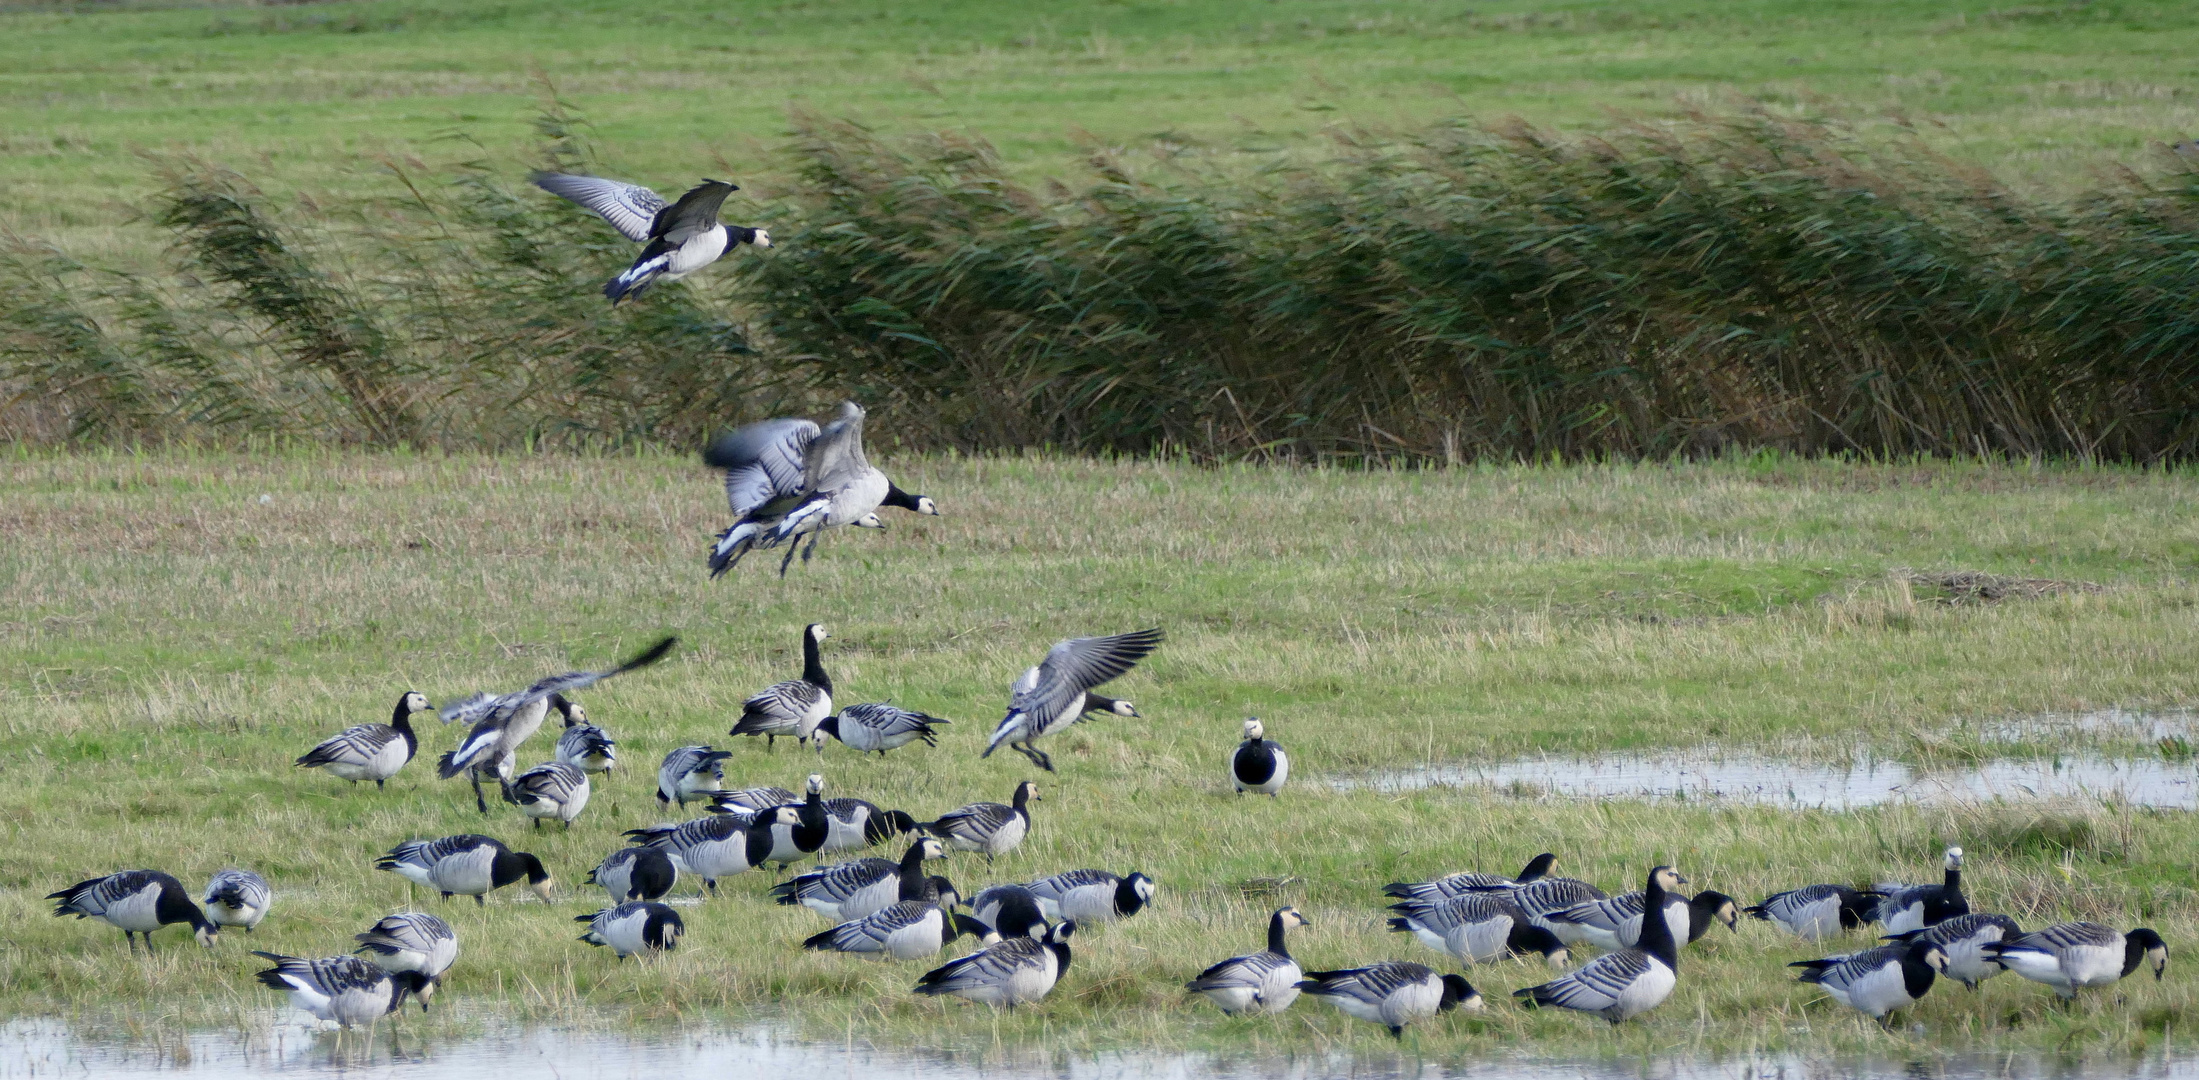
(765, 467)
(682, 237)
(839, 487)
(501, 722)
(1058, 692)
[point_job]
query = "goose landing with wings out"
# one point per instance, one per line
(1058, 692)
(501, 722)
(766, 465)
(682, 237)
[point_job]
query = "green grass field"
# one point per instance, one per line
(309, 98)
(174, 640)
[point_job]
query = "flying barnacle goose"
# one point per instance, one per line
(1966, 939)
(1011, 910)
(553, 790)
(371, 751)
(682, 237)
(502, 722)
(1057, 693)
(847, 891)
(1616, 922)
(1813, 912)
(1257, 765)
(1393, 993)
(634, 926)
(1468, 881)
(137, 902)
(1477, 928)
(1018, 971)
(1092, 896)
(721, 845)
(877, 726)
(1265, 981)
(635, 873)
(2074, 955)
(1913, 907)
(238, 898)
(1875, 982)
(764, 464)
(583, 745)
(1623, 984)
(987, 827)
(839, 487)
(917, 924)
(344, 989)
(793, 707)
(691, 772)
(468, 864)
(412, 941)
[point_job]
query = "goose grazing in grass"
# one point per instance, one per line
(371, 751)
(1262, 982)
(847, 891)
(1546, 896)
(412, 941)
(502, 722)
(876, 727)
(635, 873)
(987, 827)
(1471, 881)
(853, 824)
(1092, 896)
(691, 773)
(764, 465)
(917, 923)
(1913, 907)
(2074, 955)
(1967, 939)
(1018, 971)
(1621, 985)
(1616, 923)
(469, 865)
(1477, 928)
(1258, 765)
(1011, 910)
(1877, 982)
(750, 800)
(343, 989)
(681, 237)
(637, 926)
(1814, 912)
(137, 902)
(583, 745)
(1057, 693)
(238, 898)
(1393, 993)
(794, 707)
(552, 791)
(718, 846)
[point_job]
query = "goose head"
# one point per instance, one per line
(925, 506)
(816, 632)
(415, 701)
(932, 848)
(208, 934)
(1254, 730)
(1953, 860)
(1459, 994)
(1027, 792)
(1122, 707)
(869, 521)
(1291, 917)
(762, 238)
(569, 709)
(950, 897)
(2154, 949)
(816, 784)
(1140, 886)
(1666, 878)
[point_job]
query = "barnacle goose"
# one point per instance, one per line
(987, 827)
(1875, 982)
(344, 989)
(796, 706)
(1813, 912)
(1257, 765)
(553, 790)
(764, 465)
(635, 873)
(1057, 693)
(1265, 981)
(1545, 896)
(682, 237)
(1011, 910)
(877, 726)
(2073, 955)
(847, 891)
(238, 898)
(1467, 881)
(719, 846)
(1393, 993)
(918, 923)
(634, 926)
(691, 772)
(1913, 907)
(851, 824)
(583, 745)
(1477, 928)
(1965, 939)
(502, 722)
(1616, 923)
(839, 486)
(1092, 896)
(136, 902)
(1017, 971)
(412, 941)
(469, 864)
(1623, 984)
(371, 751)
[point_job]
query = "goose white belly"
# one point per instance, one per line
(1877, 992)
(467, 873)
(1358, 1009)
(862, 903)
(1083, 904)
(1472, 943)
(1409, 1003)
(1813, 921)
(223, 913)
(418, 873)
(1966, 961)
(1906, 919)
(842, 835)
(625, 935)
(138, 912)
(553, 810)
(999, 842)
(1236, 999)
(1647, 991)
(862, 497)
(381, 765)
(428, 963)
(696, 252)
(921, 938)
(712, 859)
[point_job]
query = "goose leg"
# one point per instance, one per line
(812, 548)
(789, 560)
(478, 801)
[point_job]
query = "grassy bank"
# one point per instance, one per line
(176, 641)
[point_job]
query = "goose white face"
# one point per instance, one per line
(925, 505)
(2157, 959)
(763, 238)
(816, 784)
(869, 521)
(933, 849)
(1254, 730)
(1954, 858)
(1030, 790)
(1144, 888)
(1936, 959)
(1291, 917)
(209, 935)
(1124, 708)
(786, 815)
(817, 633)
(542, 889)
(1669, 879)
(574, 712)
(415, 701)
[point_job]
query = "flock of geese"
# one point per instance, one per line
(790, 481)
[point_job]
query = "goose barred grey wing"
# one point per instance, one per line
(2064, 936)
(629, 208)
(1250, 971)
(1597, 987)
(1448, 886)
(470, 710)
(357, 745)
(762, 462)
(416, 940)
(695, 213)
(752, 799)
(1542, 897)
(996, 965)
(1052, 888)
(1050, 695)
(974, 821)
(887, 723)
(1842, 972)
(90, 898)
(581, 680)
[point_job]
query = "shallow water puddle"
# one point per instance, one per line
(2119, 724)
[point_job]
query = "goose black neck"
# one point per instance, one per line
(1537, 868)
(1916, 975)
(914, 885)
(1656, 937)
(895, 497)
(1275, 931)
(401, 719)
(813, 810)
(1127, 899)
(813, 665)
(173, 905)
(1952, 886)
(1023, 800)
